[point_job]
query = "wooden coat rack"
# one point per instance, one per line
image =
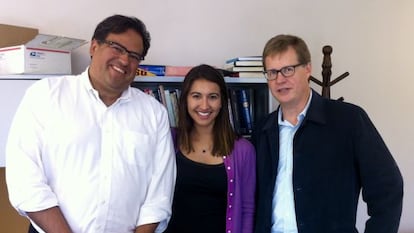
(326, 74)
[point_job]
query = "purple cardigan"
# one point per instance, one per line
(241, 185)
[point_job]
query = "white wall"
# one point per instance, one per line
(373, 40)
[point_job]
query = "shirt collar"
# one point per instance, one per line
(299, 117)
(125, 96)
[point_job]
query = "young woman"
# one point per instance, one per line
(216, 169)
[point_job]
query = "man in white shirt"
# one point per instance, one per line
(89, 153)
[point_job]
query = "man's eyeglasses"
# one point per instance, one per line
(286, 71)
(121, 50)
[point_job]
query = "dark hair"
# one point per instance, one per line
(281, 43)
(118, 24)
(223, 133)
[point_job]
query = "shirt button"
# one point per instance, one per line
(229, 218)
(231, 180)
(228, 168)
(231, 194)
(230, 206)
(229, 231)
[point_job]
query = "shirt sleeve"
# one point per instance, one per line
(27, 184)
(157, 205)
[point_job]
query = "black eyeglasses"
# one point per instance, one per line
(121, 50)
(286, 71)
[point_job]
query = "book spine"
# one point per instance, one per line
(245, 105)
(142, 72)
(170, 108)
(248, 58)
(177, 70)
(236, 112)
(251, 75)
(155, 70)
(246, 68)
(230, 111)
(242, 64)
(161, 94)
(174, 100)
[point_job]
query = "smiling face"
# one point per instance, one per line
(110, 71)
(291, 92)
(204, 103)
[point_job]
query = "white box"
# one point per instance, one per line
(41, 54)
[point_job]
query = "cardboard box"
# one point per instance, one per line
(25, 51)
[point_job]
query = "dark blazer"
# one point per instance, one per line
(337, 152)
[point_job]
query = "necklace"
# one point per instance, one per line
(205, 149)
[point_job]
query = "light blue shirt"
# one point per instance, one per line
(284, 216)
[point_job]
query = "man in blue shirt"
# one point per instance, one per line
(315, 155)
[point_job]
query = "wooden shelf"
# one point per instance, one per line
(173, 79)
(163, 79)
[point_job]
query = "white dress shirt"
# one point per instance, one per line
(109, 169)
(283, 203)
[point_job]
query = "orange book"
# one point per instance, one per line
(143, 72)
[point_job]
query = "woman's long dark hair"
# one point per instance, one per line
(223, 134)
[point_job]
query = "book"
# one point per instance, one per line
(151, 70)
(161, 94)
(227, 73)
(244, 58)
(177, 70)
(246, 68)
(174, 100)
(251, 75)
(245, 110)
(244, 63)
(236, 111)
(170, 107)
(142, 72)
(230, 111)
(149, 91)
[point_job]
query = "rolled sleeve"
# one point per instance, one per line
(157, 205)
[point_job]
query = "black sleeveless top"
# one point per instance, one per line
(200, 197)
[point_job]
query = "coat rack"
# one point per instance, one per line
(326, 74)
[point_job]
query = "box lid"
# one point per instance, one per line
(55, 42)
(15, 35)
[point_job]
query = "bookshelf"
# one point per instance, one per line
(260, 104)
